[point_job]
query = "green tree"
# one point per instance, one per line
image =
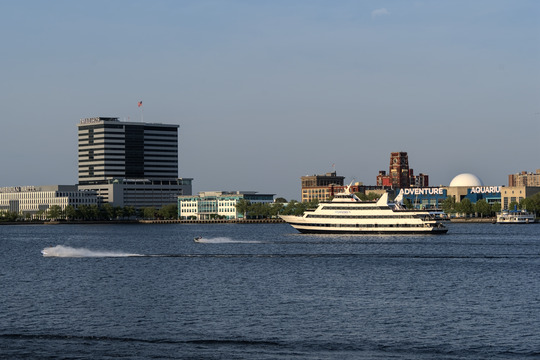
(117, 212)
(467, 207)
(128, 211)
(107, 212)
(482, 207)
(495, 207)
(85, 212)
(449, 205)
(139, 213)
(362, 196)
(70, 212)
(259, 210)
(40, 214)
(252, 211)
(9, 216)
(290, 208)
(169, 211)
(81, 212)
(298, 208)
(275, 209)
(373, 196)
(513, 205)
(312, 204)
(280, 200)
(54, 212)
(242, 207)
(408, 204)
(94, 212)
(367, 197)
(149, 212)
(531, 203)
(536, 200)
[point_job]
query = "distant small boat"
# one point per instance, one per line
(46, 251)
(515, 217)
(198, 239)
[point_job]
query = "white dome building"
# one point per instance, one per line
(466, 180)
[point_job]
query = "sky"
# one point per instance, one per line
(268, 91)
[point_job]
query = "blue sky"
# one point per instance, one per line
(267, 91)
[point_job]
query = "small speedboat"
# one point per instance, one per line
(198, 239)
(47, 251)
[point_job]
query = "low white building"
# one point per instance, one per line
(140, 193)
(209, 204)
(32, 199)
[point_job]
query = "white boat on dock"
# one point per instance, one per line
(516, 217)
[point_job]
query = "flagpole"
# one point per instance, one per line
(139, 104)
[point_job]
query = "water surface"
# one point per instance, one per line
(264, 291)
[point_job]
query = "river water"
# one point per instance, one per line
(264, 291)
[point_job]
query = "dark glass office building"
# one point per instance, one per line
(109, 148)
(139, 159)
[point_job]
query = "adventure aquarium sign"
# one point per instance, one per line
(486, 190)
(422, 191)
(440, 191)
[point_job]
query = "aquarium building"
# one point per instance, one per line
(463, 186)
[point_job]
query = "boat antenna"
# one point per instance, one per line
(140, 106)
(349, 186)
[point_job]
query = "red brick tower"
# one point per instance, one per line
(399, 170)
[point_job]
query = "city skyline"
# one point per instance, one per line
(265, 93)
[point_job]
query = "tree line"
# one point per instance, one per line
(282, 207)
(249, 210)
(94, 212)
(483, 209)
(272, 210)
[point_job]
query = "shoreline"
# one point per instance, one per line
(134, 222)
(220, 221)
(473, 220)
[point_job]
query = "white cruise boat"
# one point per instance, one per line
(347, 214)
(515, 217)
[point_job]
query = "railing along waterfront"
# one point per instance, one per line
(214, 221)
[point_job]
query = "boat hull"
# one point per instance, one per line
(516, 221)
(431, 231)
(378, 232)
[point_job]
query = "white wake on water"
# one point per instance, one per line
(225, 240)
(66, 251)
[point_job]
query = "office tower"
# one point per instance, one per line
(130, 163)
(109, 148)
